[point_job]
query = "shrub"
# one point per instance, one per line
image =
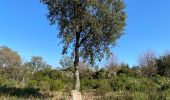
(104, 87)
(44, 85)
(101, 74)
(2, 80)
(117, 83)
(125, 83)
(89, 84)
(129, 72)
(57, 85)
(32, 83)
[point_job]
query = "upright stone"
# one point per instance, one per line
(76, 95)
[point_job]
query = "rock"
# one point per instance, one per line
(76, 95)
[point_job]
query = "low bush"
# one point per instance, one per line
(56, 85)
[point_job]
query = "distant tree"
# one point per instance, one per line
(90, 26)
(160, 66)
(85, 70)
(124, 69)
(135, 67)
(36, 64)
(163, 65)
(166, 61)
(124, 65)
(10, 62)
(67, 63)
(148, 63)
(8, 57)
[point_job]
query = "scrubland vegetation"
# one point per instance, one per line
(37, 80)
(88, 30)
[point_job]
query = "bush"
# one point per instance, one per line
(126, 83)
(57, 85)
(89, 84)
(117, 84)
(44, 85)
(101, 86)
(148, 85)
(2, 80)
(101, 74)
(129, 72)
(32, 83)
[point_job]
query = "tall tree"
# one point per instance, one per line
(8, 57)
(89, 26)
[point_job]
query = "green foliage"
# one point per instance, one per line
(126, 83)
(57, 85)
(117, 84)
(92, 25)
(37, 64)
(125, 70)
(32, 84)
(53, 74)
(163, 64)
(101, 74)
(21, 82)
(101, 86)
(122, 96)
(89, 84)
(124, 86)
(104, 87)
(67, 63)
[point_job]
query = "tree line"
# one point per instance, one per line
(151, 74)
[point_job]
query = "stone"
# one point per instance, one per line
(76, 95)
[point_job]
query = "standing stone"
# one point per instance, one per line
(76, 95)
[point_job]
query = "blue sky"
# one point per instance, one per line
(25, 28)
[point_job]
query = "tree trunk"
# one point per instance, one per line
(76, 63)
(77, 80)
(76, 60)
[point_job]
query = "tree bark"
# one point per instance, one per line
(76, 62)
(77, 81)
(77, 45)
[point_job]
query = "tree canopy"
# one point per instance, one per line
(8, 57)
(91, 25)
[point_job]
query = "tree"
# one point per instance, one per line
(148, 63)
(166, 62)
(68, 66)
(66, 63)
(8, 57)
(160, 66)
(89, 26)
(10, 62)
(163, 65)
(36, 64)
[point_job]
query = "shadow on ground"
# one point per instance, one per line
(20, 92)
